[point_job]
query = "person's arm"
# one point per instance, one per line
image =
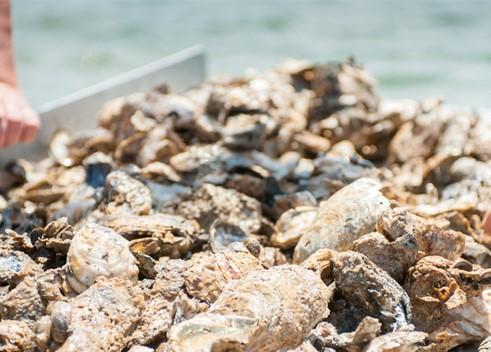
(7, 68)
(18, 122)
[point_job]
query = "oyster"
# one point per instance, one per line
(450, 300)
(111, 305)
(258, 313)
(126, 194)
(57, 235)
(211, 202)
(208, 273)
(97, 251)
(432, 239)
(15, 336)
(223, 235)
(367, 286)
(290, 225)
(172, 226)
(23, 303)
(325, 336)
(159, 306)
(394, 257)
(348, 214)
(15, 266)
(403, 341)
(157, 234)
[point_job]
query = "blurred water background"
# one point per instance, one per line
(416, 49)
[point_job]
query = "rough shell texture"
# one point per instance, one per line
(16, 336)
(367, 286)
(402, 341)
(97, 251)
(157, 315)
(470, 322)
(450, 300)
(211, 202)
(325, 336)
(124, 193)
(157, 234)
(57, 236)
(103, 316)
(348, 214)
(208, 273)
(207, 192)
(394, 257)
(432, 239)
(14, 266)
(258, 312)
(23, 302)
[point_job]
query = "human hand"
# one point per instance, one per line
(18, 121)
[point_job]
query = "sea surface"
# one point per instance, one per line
(416, 49)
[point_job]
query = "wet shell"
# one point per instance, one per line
(348, 214)
(97, 251)
(258, 313)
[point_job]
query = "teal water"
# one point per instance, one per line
(417, 48)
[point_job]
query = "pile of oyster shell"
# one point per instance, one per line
(290, 210)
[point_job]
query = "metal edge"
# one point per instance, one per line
(170, 61)
(77, 111)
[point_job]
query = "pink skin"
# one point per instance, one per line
(18, 121)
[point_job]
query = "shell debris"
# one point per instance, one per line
(285, 210)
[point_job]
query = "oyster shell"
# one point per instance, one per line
(325, 336)
(403, 341)
(367, 286)
(211, 202)
(290, 225)
(97, 251)
(228, 177)
(57, 235)
(258, 313)
(394, 257)
(158, 311)
(15, 336)
(157, 234)
(432, 239)
(351, 212)
(23, 303)
(126, 194)
(111, 305)
(451, 300)
(223, 235)
(15, 266)
(208, 273)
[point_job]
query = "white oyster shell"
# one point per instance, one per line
(97, 251)
(350, 213)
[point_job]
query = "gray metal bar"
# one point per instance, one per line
(77, 112)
